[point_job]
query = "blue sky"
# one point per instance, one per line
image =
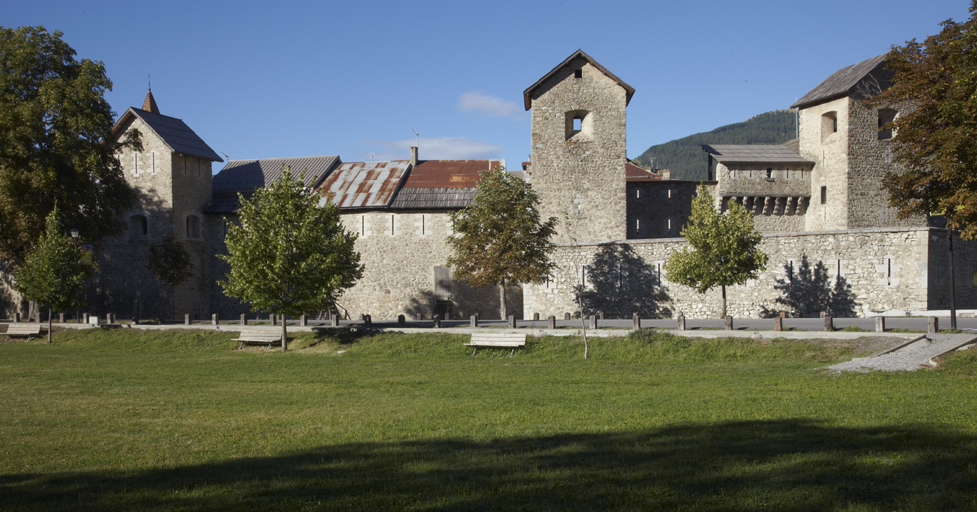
(280, 79)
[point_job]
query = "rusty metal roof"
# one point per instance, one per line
(635, 173)
(448, 173)
(363, 184)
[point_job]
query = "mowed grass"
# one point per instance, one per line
(133, 420)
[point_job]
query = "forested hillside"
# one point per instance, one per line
(685, 158)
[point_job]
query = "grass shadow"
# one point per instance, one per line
(793, 464)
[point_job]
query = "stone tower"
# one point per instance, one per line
(579, 150)
(171, 176)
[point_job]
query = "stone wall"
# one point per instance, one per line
(580, 174)
(778, 195)
(886, 269)
(829, 150)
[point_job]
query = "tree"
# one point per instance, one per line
(499, 237)
(290, 255)
(723, 248)
(936, 141)
(53, 273)
(170, 262)
(56, 144)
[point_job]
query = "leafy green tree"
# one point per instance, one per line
(56, 144)
(723, 248)
(53, 273)
(290, 255)
(936, 140)
(170, 262)
(499, 237)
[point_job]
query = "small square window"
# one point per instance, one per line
(578, 73)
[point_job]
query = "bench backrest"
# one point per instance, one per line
(498, 337)
(23, 328)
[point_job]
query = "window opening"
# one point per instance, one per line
(135, 163)
(193, 226)
(577, 122)
(139, 226)
(362, 225)
(578, 73)
(392, 233)
(829, 124)
(888, 271)
(824, 195)
(886, 116)
(423, 232)
(769, 173)
(583, 275)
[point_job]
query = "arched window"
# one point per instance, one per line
(193, 226)
(138, 227)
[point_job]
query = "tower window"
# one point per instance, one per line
(578, 122)
(886, 116)
(578, 73)
(769, 173)
(824, 195)
(829, 124)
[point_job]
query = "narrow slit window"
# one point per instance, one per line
(135, 163)
(824, 195)
(423, 227)
(392, 232)
(769, 173)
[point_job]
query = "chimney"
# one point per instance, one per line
(413, 156)
(666, 174)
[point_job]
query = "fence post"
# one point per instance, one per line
(778, 323)
(473, 321)
(186, 319)
(60, 318)
(729, 322)
(304, 320)
(829, 323)
(681, 322)
(401, 320)
(334, 319)
(551, 322)
(880, 324)
(367, 320)
(86, 318)
(244, 319)
(934, 325)
(512, 322)
(215, 319)
(593, 321)
(437, 321)
(636, 321)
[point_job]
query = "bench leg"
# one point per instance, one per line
(473, 351)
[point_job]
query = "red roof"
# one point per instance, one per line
(448, 173)
(635, 173)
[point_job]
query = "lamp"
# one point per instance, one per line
(74, 234)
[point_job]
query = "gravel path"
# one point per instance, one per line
(911, 357)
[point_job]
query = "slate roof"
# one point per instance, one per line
(861, 81)
(247, 175)
(527, 94)
(754, 153)
(363, 184)
(174, 132)
(433, 198)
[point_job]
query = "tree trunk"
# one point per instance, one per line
(49, 325)
(502, 305)
(284, 334)
(723, 315)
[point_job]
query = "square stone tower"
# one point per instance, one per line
(579, 149)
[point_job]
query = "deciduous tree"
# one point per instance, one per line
(290, 255)
(56, 144)
(499, 238)
(936, 141)
(53, 273)
(170, 262)
(723, 248)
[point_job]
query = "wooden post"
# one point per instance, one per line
(829, 323)
(600, 315)
(60, 318)
(729, 322)
(111, 318)
(244, 319)
(778, 323)
(512, 322)
(880, 324)
(273, 318)
(215, 319)
(86, 318)
(681, 322)
(551, 322)
(593, 321)
(401, 320)
(334, 319)
(16, 317)
(934, 324)
(636, 321)
(304, 320)
(473, 321)
(186, 319)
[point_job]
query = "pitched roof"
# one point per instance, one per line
(861, 81)
(634, 173)
(433, 198)
(448, 173)
(363, 184)
(174, 133)
(252, 174)
(527, 94)
(753, 153)
(149, 104)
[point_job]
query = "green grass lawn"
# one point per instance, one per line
(132, 420)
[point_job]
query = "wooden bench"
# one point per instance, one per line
(258, 338)
(497, 340)
(23, 329)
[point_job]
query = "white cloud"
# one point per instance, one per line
(439, 148)
(489, 106)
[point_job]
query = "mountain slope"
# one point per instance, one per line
(685, 158)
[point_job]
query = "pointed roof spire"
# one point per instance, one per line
(150, 104)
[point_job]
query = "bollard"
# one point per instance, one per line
(681, 322)
(729, 322)
(636, 321)
(186, 319)
(934, 325)
(86, 318)
(401, 320)
(215, 319)
(437, 321)
(566, 316)
(600, 315)
(829, 323)
(16, 318)
(473, 321)
(512, 322)
(244, 319)
(60, 318)
(778, 323)
(593, 321)
(111, 318)
(273, 318)
(334, 319)
(551, 322)
(304, 320)
(880, 324)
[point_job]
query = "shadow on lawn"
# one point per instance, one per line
(790, 464)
